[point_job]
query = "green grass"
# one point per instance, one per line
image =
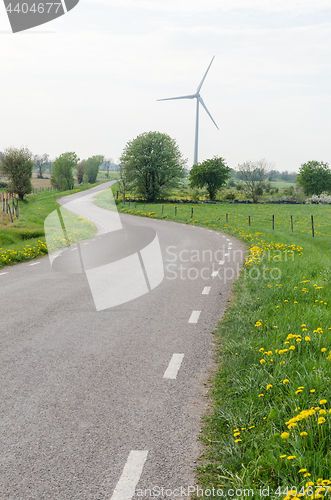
(274, 351)
(24, 239)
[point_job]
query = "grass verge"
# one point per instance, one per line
(270, 429)
(24, 238)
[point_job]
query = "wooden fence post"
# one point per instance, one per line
(312, 226)
(273, 222)
(292, 223)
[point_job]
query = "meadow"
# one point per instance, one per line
(24, 238)
(269, 427)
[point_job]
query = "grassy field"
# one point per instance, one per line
(270, 425)
(24, 238)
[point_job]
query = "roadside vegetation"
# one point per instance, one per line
(24, 238)
(270, 426)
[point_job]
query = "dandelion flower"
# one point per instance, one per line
(323, 402)
(285, 381)
(285, 435)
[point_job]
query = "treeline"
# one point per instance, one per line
(18, 164)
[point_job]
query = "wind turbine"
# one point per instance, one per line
(199, 99)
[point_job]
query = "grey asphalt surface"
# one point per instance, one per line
(81, 388)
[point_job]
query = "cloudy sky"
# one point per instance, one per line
(89, 81)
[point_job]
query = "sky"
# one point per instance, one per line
(89, 81)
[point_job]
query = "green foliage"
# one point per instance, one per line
(62, 176)
(315, 177)
(16, 164)
(92, 167)
(211, 174)
(152, 163)
(81, 171)
(253, 174)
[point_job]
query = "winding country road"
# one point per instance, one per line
(101, 404)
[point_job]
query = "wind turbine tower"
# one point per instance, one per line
(199, 99)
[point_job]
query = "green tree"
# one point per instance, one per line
(17, 164)
(62, 176)
(92, 167)
(211, 174)
(315, 177)
(253, 174)
(81, 171)
(152, 163)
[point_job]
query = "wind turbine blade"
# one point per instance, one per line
(181, 97)
(198, 89)
(205, 107)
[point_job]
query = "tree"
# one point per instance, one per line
(253, 174)
(315, 177)
(17, 164)
(152, 163)
(81, 171)
(211, 174)
(62, 177)
(40, 163)
(92, 167)
(107, 165)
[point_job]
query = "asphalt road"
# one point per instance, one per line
(92, 406)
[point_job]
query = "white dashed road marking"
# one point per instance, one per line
(173, 367)
(206, 290)
(34, 264)
(126, 486)
(194, 317)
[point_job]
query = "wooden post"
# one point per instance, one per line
(226, 217)
(117, 195)
(312, 226)
(191, 212)
(162, 209)
(175, 211)
(11, 217)
(135, 204)
(273, 222)
(249, 220)
(292, 223)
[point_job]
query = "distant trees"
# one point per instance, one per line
(17, 164)
(40, 163)
(315, 177)
(81, 171)
(92, 167)
(152, 163)
(253, 175)
(212, 174)
(62, 171)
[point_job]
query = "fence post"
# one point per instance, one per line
(135, 204)
(117, 195)
(191, 212)
(273, 222)
(11, 217)
(226, 217)
(175, 211)
(249, 220)
(292, 223)
(312, 225)
(162, 209)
